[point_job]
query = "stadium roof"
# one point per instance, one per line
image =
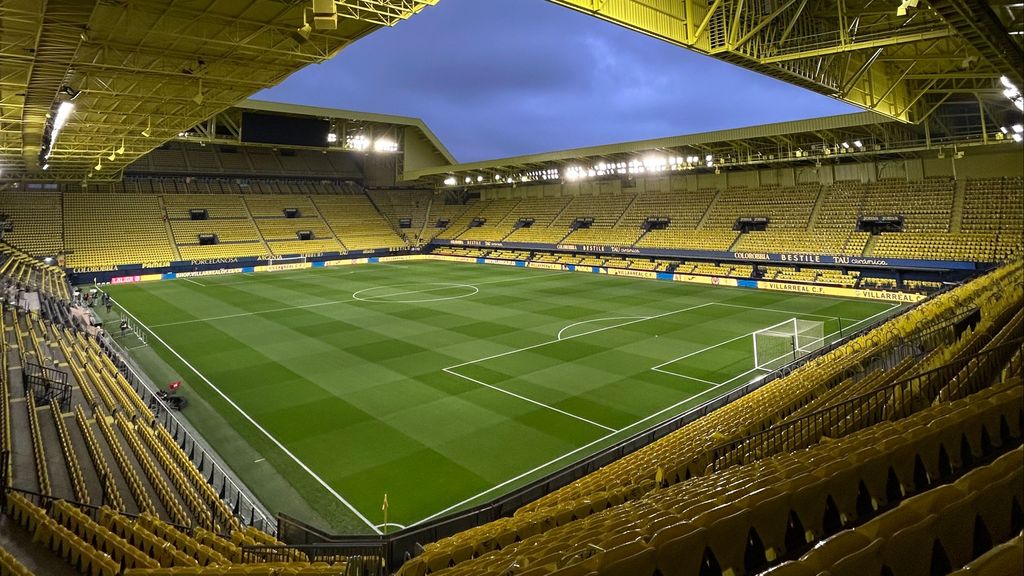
(834, 138)
(416, 128)
(139, 73)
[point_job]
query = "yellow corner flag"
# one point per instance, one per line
(384, 508)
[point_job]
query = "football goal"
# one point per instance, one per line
(785, 342)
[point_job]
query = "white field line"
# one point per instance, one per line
(701, 380)
(599, 440)
(750, 334)
(526, 399)
(194, 282)
(302, 465)
(594, 331)
(574, 324)
(333, 302)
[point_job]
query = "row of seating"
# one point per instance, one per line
(159, 512)
(17, 268)
(746, 518)
(9, 565)
(684, 453)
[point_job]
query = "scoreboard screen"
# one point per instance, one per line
(284, 130)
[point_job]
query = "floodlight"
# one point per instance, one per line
(99, 164)
(846, 145)
(46, 166)
(1017, 128)
(149, 121)
(450, 181)
(1017, 137)
(121, 149)
(332, 138)
(359, 142)
(385, 145)
(858, 143)
(113, 156)
(1006, 82)
(303, 32)
(63, 114)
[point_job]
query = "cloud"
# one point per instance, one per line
(510, 77)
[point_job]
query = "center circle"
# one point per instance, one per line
(413, 293)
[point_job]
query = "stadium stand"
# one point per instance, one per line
(395, 205)
(35, 221)
(21, 270)
(985, 225)
(673, 506)
(157, 510)
(356, 222)
(103, 230)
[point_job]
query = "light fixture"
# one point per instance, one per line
(198, 98)
(145, 133)
(358, 142)
(858, 144)
(303, 32)
(121, 149)
(1018, 128)
(46, 166)
(846, 145)
(902, 9)
(99, 164)
(70, 92)
(113, 155)
(325, 14)
(332, 138)
(450, 181)
(1017, 137)
(385, 145)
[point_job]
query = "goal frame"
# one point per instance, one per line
(792, 331)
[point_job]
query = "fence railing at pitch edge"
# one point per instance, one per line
(892, 402)
(405, 543)
(242, 506)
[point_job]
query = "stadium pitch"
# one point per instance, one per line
(440, 384)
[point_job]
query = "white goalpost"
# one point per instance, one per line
(787, 341)
(286, 260)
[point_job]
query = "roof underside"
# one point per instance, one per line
(146, 70)
(865, 52)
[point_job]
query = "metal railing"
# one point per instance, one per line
(242, 505)
(892, 402)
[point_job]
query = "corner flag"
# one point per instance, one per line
(384, 508)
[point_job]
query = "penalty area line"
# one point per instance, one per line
(526, 399)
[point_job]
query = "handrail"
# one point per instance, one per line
(891, 402)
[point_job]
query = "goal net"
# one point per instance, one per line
(286, 260)
(785, 342)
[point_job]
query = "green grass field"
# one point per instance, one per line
(442, 384)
